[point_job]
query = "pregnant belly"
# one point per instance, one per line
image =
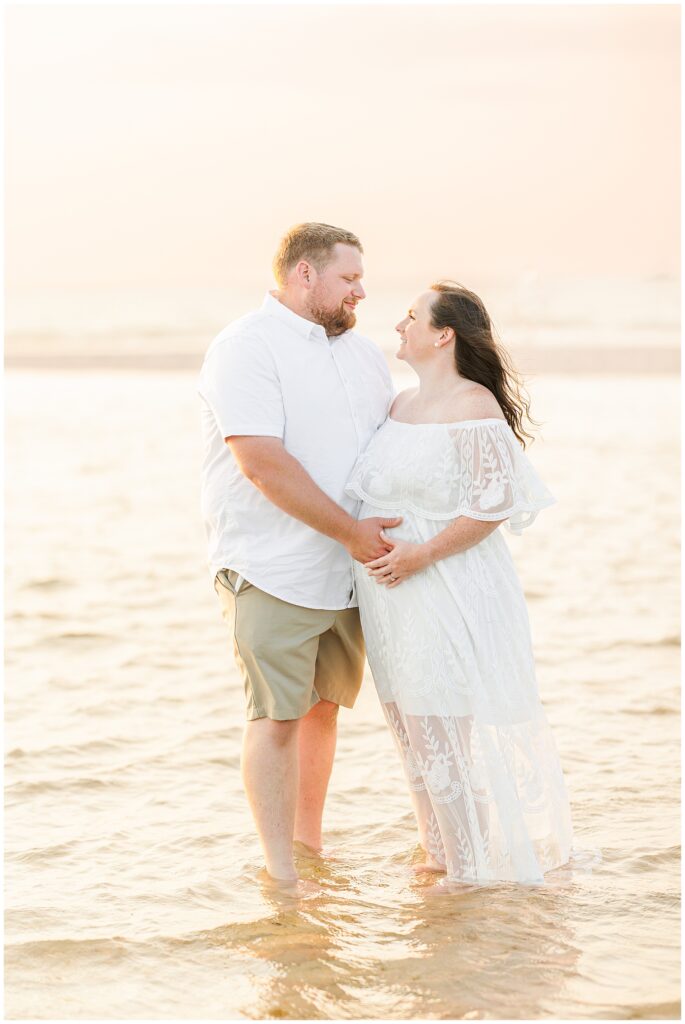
(417, 530)
(412, 528)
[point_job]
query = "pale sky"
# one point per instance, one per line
(170, 146)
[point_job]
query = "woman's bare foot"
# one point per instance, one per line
(429, 865)
(443, 886)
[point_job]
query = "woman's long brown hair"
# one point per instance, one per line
(477, 353)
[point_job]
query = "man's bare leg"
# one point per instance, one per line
(317, 740)
(270, 776)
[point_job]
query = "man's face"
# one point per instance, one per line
(337, 290)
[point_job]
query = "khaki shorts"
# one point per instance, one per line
(290, 657)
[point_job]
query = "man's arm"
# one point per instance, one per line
(286, 483)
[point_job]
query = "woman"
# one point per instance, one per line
(443, 613)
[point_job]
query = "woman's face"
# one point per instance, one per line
(416, 331)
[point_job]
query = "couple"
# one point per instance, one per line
(326, 498)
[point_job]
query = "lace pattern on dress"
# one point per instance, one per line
(476, 469)
(490, 802)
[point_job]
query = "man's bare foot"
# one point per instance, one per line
(301, 849)
(274, 882)
(294, 887)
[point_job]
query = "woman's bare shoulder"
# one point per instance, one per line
(402, 398)
(476, 403)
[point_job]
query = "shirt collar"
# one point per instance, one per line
(304, 327)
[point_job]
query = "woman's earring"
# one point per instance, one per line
(435, 345)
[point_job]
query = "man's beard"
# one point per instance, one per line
(333, 321)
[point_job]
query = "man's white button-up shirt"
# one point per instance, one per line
(274, 374)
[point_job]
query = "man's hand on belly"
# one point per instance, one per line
(365, 542)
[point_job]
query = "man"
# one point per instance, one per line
(291, 396)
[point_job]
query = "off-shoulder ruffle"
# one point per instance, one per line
(476, 469)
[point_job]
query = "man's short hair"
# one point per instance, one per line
(311, 242)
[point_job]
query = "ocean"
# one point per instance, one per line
(133, 884)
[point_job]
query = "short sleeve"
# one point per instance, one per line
(240, 383)
(493, 478)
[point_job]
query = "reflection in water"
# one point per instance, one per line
(407, 953)
(494, 970)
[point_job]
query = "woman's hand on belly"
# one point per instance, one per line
(402, 561)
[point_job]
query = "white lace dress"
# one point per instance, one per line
(450, 652)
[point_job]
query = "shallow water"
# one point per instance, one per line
(132, 876)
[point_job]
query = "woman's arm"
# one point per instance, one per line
(407, 558)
